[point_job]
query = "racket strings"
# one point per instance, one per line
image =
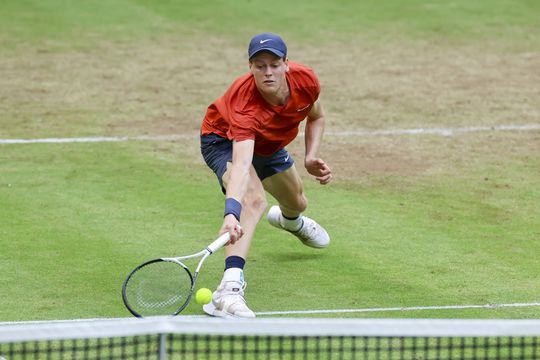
(142, 301)
(159, 288)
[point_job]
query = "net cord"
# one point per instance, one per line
(267, 327)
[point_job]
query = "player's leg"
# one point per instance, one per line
(228, 299)
(287, 188)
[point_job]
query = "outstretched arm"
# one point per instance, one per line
(313, 136)
(237, 184)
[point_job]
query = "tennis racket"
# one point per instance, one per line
(164, 286)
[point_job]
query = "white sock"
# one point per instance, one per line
(292, 225)
(233, 274)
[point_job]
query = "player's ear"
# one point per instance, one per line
(286, 61)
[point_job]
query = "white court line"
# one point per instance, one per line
(307, 312)
(436, 131)
(85, 320)
(98, 139)
(412, 308)
(360, 133)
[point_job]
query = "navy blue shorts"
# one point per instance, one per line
(217, 151)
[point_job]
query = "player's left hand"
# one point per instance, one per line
(318, 168)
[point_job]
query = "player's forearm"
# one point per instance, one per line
(313, 136)
(238, 181)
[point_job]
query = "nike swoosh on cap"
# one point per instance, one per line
(263, 41)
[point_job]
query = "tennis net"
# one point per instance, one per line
(265, 338)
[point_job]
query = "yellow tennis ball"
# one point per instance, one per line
(203, 296)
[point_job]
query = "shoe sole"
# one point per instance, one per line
(278, 226)
(210, 309)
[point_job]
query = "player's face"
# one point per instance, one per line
(269, 72)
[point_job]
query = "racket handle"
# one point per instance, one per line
(219, 242)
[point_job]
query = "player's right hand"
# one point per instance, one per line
(232, 226)
(318, 168)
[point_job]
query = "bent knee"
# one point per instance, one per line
(302, 203)
(256, 203)
(297, 205)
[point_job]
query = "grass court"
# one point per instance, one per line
(415, 219)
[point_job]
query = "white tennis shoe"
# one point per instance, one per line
(310, 233)
(228, 301)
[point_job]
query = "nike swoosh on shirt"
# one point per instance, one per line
(303, 108)
(263, 41)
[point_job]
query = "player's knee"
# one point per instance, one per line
(261, 204)
(300, 204)
(256, 203)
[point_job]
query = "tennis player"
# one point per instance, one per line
(243, 139)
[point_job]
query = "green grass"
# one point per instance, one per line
(455, 20)
(315, 21)
(76, 218)
(59, 21)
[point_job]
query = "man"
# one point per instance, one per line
(243, 139)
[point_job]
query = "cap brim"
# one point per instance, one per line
(273, 51)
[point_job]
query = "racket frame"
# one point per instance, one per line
(209, 250)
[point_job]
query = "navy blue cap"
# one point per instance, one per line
(269, 42)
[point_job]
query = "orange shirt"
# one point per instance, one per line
(242, 113)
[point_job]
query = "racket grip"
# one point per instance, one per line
(219, 242)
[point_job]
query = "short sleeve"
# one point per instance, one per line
(243, 123)
(312, 86)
